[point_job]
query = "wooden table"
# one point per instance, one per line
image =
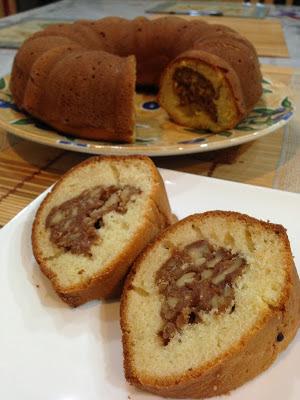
(27, 169)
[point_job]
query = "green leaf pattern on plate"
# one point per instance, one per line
(23, 121)
(264, 81)
(286, 103)
(245, 128)
(195, 130)
(2, 83)
(262, 117)
(225, 133)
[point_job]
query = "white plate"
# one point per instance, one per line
(51, 352)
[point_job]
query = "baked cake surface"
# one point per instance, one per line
(80, 78)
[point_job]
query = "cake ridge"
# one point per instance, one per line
(143, 52)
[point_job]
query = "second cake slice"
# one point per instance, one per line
(209, 305)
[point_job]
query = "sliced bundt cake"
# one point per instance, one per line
(80, 78)
(209, 305)
(95, 221)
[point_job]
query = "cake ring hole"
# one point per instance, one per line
(193, 89)
(194, 281)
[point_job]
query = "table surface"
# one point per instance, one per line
(27, 169)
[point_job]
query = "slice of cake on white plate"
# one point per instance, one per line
(209, 305)
(95, 221)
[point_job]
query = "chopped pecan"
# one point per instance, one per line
(194, 89)
(74, 224)
(195, 280)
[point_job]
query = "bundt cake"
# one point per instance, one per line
(80, 78)
(95, 221)
(209, 305)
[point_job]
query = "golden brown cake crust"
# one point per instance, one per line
(80, 78)
(107, 283)
(254, 353)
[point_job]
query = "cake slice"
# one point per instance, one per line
(96, 220)
(209, 305)
(207, 87)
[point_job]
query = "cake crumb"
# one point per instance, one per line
(215, 388)
(37, 285)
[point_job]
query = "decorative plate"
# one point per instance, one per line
(156, 135)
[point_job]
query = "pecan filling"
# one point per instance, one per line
(75, 223)
(196, 280)
(193, 89)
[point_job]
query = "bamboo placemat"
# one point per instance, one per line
(266, 35)
(27, 169)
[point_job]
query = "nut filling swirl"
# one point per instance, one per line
(193, 88)
(196, 280)
(74, 224)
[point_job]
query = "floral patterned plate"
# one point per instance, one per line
(156, 135)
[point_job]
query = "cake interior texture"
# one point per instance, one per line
(258, 290)
(197, 94)
(78, 267)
